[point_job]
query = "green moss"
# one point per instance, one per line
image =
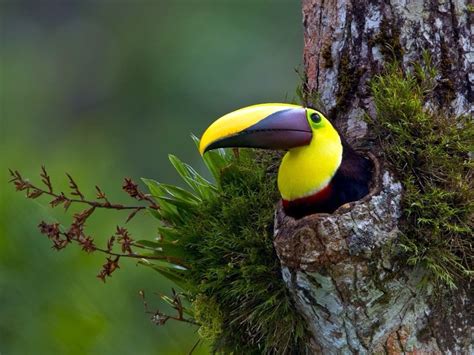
(348, 78)
(225, 234)
(446, 89)
(429, 150)
(207, 313)
(388, 39)
(229, 243)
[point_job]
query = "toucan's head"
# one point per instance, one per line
(314, 146)
(307, 174)
(267, 126)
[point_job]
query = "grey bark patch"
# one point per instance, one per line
(350, 287)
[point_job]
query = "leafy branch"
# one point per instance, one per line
(62, 237)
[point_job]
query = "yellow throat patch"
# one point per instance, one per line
(308, 169)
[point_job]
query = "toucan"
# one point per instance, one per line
(319, 172)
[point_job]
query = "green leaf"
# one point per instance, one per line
(215, 160)
(163, 248)
(170, 249)
(180, 194)
(204, 188)
(184, 205)
(172, 273)
(155, 213)
(169, 234)
(148, 244)
(167, 211)
(160, 190)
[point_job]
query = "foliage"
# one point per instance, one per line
(224, 232)
(215, 243)
(429, 149)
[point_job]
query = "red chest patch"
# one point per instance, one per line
(318, 198)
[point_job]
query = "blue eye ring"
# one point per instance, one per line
(315, 117)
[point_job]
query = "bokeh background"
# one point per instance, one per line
(105, 90)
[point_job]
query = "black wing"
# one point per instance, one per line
(352, 179)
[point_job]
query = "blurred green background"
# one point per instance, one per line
(105, 90)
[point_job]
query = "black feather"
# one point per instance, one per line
(350, 183)
(352, 179)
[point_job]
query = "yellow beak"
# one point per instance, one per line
(267, 126)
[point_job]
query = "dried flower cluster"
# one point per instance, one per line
(61, 236)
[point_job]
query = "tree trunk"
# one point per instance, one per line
(348, 41)
(341, 268)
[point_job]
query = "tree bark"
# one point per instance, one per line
(347, 42)
(341, 269)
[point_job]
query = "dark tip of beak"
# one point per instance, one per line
(281, 130)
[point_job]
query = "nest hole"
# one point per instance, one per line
(322, 239)
(306, 209)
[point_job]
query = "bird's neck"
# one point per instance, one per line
(305, 171)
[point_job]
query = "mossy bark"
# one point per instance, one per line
(348, 282)
(343, 270)
(348, 41)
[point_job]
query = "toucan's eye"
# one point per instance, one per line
(315, 117)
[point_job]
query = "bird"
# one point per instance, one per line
(320, 170)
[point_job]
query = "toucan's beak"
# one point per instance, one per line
(267, 126)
